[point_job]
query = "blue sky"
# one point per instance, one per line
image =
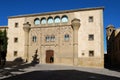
(18, 7)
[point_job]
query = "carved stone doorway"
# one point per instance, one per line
(49, 56)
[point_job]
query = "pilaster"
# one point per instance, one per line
(75, 25)
(26, 28)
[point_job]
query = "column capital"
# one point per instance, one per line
(75, 23)
(26, 26)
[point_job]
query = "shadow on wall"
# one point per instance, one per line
(35, 59)
(19, 61)
(15, 66)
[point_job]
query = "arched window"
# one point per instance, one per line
(43, 21)
(34, 38)
(47, 38)
(64, 19)
(50, 20)
(52, 38)
(66, 37)
(57, 19)
(37, 21)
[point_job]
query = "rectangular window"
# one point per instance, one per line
(91, 37)
(16, 25)
(15, 53)
(91, 53)
(90, 18)
(15, 39)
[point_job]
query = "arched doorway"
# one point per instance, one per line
(49, 56)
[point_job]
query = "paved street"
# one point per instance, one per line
(57, 72)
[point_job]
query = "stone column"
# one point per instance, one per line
(75, 25)
(26, 28)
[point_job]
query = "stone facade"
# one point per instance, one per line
(71, 37)
(113, 45)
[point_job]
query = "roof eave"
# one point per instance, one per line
(57, 12)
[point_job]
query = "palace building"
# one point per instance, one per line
(70, 37)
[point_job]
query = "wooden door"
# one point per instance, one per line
(49, 56)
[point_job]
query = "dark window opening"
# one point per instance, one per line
(16, 40)
(91, 53)
(91, 37)
(16, 25)
(15, 53)
(90, 18)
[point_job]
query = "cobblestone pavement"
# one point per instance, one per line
(59, 72)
